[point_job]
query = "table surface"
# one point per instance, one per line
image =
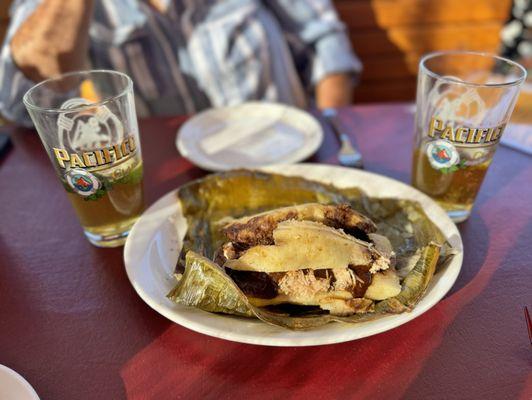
(71, 323)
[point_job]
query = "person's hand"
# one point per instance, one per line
(335, 90)
(53, 39)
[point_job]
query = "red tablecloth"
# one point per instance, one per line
(71, 323)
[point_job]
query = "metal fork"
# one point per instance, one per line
(348, 155)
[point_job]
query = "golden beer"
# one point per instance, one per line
(450, 161)
(455, 190)
(116, 210)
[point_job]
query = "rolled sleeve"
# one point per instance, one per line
(333, 54)
(13, 83)
(315, 25)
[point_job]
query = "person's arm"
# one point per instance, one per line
(53, 39)
(335, 90)
(127, 24)
(333, 65)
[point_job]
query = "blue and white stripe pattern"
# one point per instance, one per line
(202, 53)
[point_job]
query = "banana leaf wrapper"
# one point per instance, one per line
(207, 202)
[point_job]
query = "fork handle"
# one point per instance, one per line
(343, 138)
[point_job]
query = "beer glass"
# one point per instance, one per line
(88, 126)
(464, 101)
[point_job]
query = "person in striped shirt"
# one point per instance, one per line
(183, 55)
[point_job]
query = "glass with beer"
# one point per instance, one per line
(88, 126)
(464, 101)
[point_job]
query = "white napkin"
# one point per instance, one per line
(228, 135)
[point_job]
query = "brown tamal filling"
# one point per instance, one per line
(259, 230)
(265, 286)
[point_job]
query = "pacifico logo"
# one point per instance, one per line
(442, 154)
(96, 158)
(93, 137)
(461, 135)
(82, 182)
(89, 128)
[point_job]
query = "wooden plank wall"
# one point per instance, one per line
(390, 36)
(4, 17)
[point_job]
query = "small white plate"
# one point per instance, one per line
(251, 134)
(153, 246)
(14, 387)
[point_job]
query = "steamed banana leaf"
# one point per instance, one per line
(207, 203)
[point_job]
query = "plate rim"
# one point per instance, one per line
(312, 147)
(30, 391)
(335, 337)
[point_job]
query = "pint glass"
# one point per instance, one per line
(464, 101)
(88, 126)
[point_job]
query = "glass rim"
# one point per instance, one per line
(432, 55)
(30, 105)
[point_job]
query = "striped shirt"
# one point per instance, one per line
(202, 53)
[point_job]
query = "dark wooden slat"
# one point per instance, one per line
(398, 66)
(392, 13)
(4, 8)
(3, 29)
(386, 90)
(422, 39)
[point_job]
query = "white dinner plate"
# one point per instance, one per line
(254, 134)
(14, 387)
(153, 246)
